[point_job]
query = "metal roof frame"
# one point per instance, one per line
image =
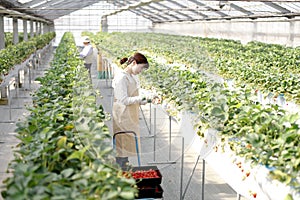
(20, 15)
(167, 16)
(205, 10)
(234, 5)
(63, 8)
(208, 8)
(278, 7)
(148, 15)
(172, 10)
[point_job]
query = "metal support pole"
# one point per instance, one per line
(182, 165)
(110, 72)
(203, 178)
(150, 118)
(29, 76)
(9, 104)
(9, 101)
(190, 178)
(39, 59)
(238, 196)
(154, 134)
(17, 91)
(112, 102)
(145, 120)
(17, 82)
(106, 72)
(170, 133)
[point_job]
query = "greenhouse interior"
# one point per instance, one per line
(150, 99)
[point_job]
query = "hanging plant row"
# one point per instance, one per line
(267, 67)
(64, 151)
(182, 71)
(16, 54)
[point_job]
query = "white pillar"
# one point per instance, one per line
(254, 31)
(37, 28)
(290, 41)
(31, 29)
(42, 28)
(15, 31)
(51, 27)
(104, 25)
(45, 28)
(25, 30)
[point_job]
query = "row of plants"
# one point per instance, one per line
(8, 37)
(65, 150)
(267, 67)
(264, 134)
(16, 54)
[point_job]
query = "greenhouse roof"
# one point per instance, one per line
(158, 11)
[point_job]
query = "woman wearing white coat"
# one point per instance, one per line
(126, 106)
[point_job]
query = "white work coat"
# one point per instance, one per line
(87, 54)
(126, 112)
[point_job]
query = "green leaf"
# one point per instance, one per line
(67, 172)
(111, 195)
(288, 197)
(76, 155)
(62, 142)
(127, 195)
(216, 111)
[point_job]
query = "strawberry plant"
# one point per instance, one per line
(184, 70)
(16, 54)
(253, 63)
(64, 153)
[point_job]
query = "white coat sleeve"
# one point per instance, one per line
(121, 93)
(86, 51)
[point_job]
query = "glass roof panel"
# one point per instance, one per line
(38, 4)
(166, 10)
(24, 1)
(235, 13)
(292, 6)
(257, 7)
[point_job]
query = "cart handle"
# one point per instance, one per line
(136, 142)
(123, 132)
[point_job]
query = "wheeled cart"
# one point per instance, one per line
(149, 188)
(136, 143)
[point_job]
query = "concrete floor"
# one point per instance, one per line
(169, 164)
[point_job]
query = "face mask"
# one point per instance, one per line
(137, 68)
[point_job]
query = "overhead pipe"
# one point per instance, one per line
(15, 14)
(133, 6)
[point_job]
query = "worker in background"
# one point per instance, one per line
(87, 54)
(126, 106)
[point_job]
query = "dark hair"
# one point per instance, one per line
(138, 57)
(123, 60)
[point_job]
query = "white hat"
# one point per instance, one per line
(86, 39)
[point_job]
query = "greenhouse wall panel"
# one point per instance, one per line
(285, 32)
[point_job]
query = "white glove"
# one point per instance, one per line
(156, 100)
